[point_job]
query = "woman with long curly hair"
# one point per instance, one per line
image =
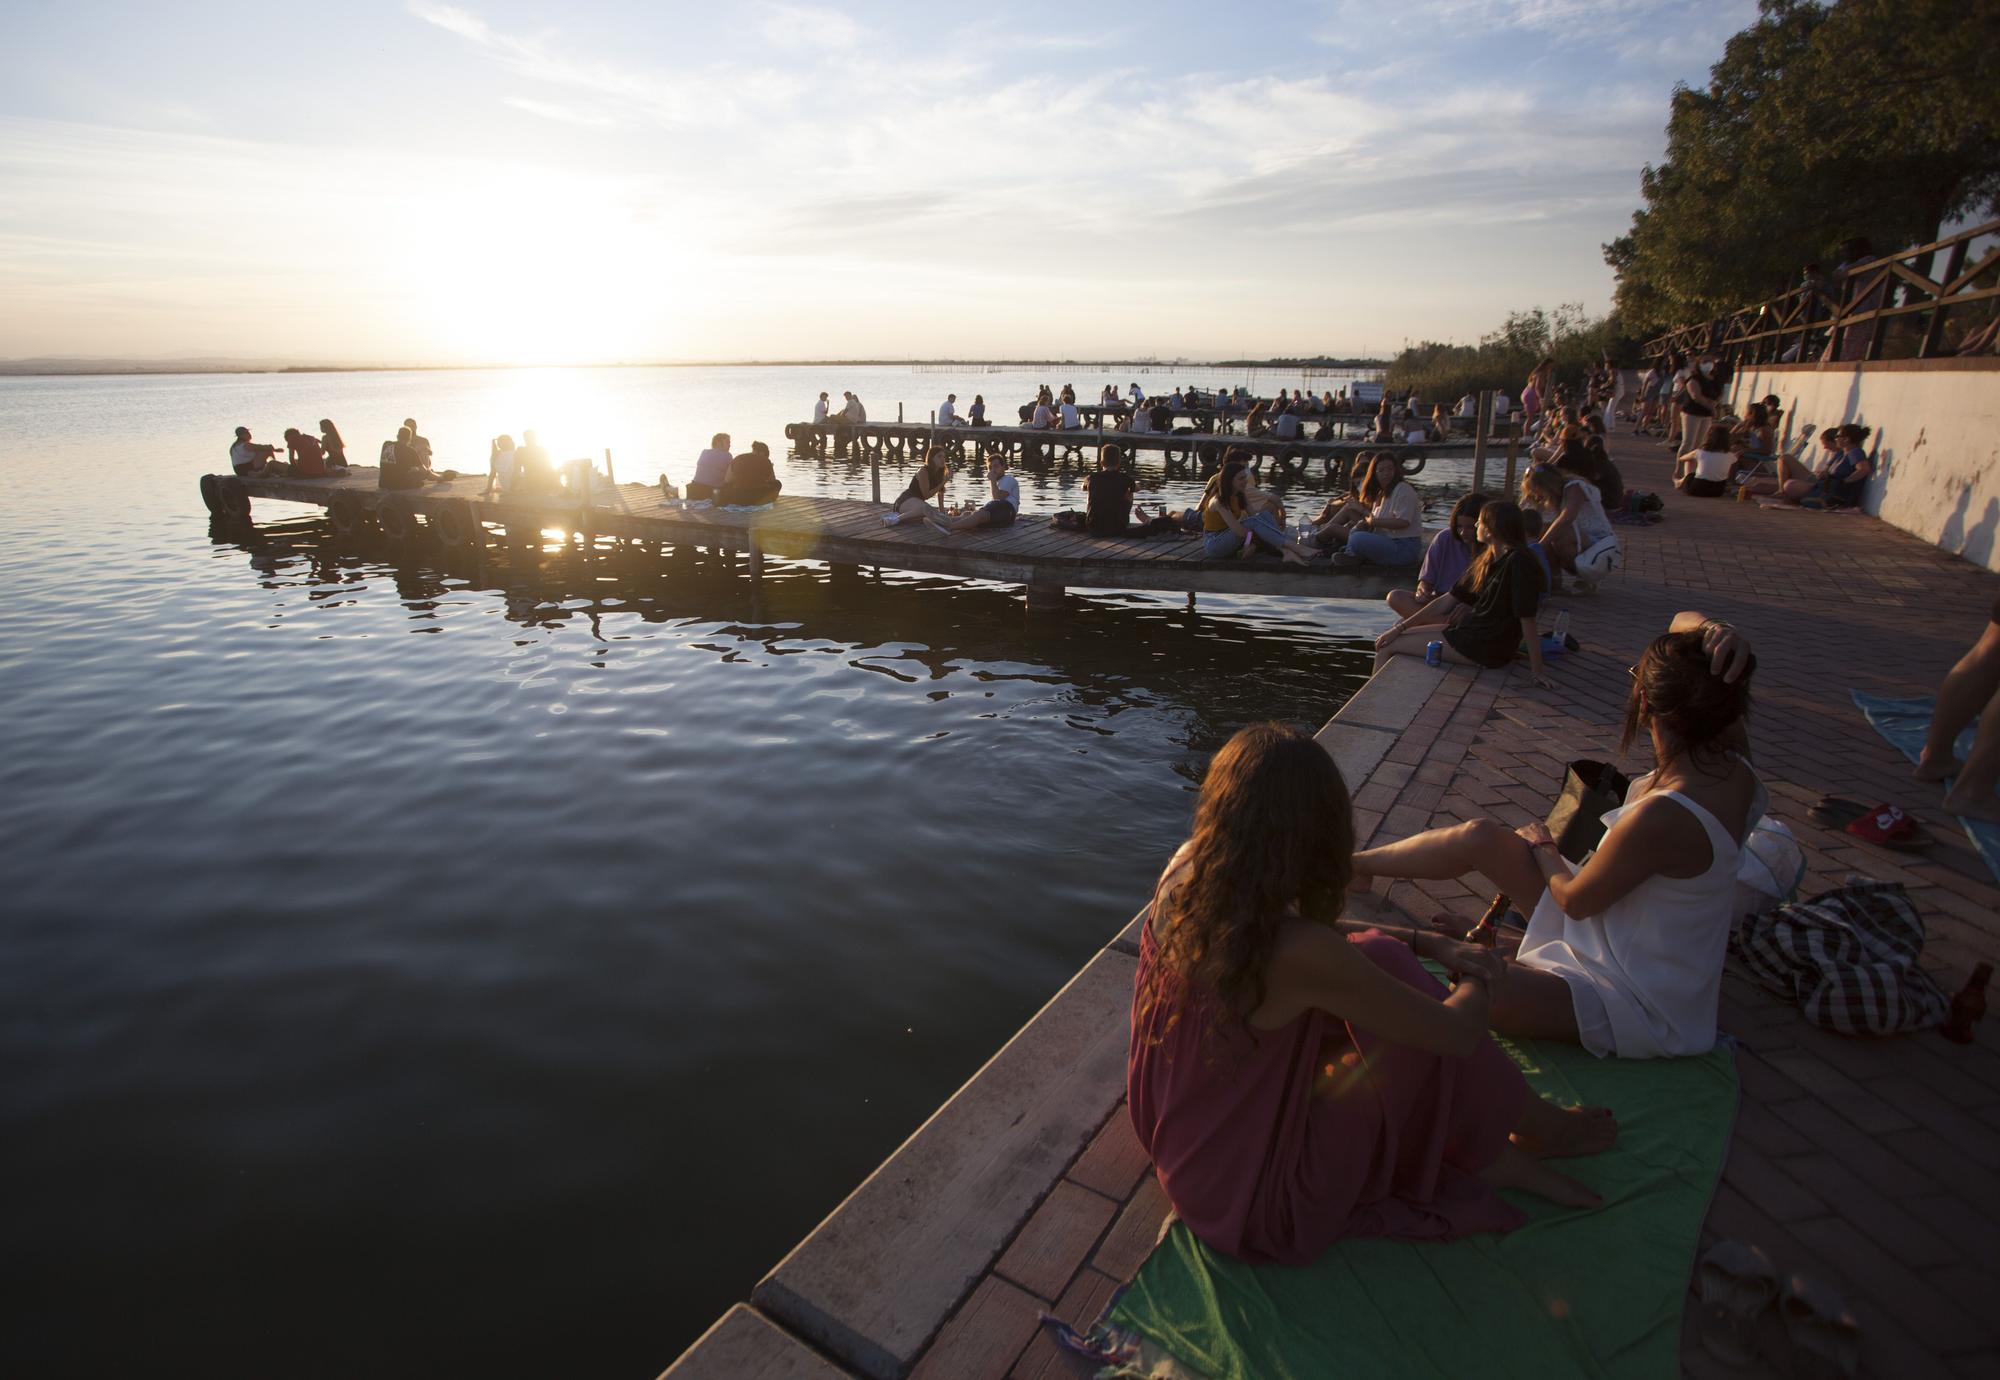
(1295, 1083)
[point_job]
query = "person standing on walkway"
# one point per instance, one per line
(1971, 689)
(1697, 400)
(1295, 1084)
(1623, 953)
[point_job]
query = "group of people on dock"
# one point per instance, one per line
(748, 480)
(306, 456)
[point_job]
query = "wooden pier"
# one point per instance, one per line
(840, 532)
(1182, 453)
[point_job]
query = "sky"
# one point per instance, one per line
(493, 182)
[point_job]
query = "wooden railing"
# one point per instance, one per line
(1920, 303)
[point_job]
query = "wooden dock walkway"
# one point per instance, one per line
(841, 532)
(1181, 452)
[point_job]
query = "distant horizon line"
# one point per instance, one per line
(77, 366)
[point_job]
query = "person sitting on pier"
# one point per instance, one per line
(976, 414)
(1449, 556)
(947, 414)
(419, 443)
(1705, 473)
(1297, 1079)
(307, 455)
(1623, 954)
(852, 415)
(1044, 417)
(333, 446)
(1383, 524)
(403, 464)
(819, 411)
(253, 459)
(534, 472)
(503, 474)
(1490, 612)
(711, 468)
(1287, 427)
(1109, 510)
(1254, 424)
(1233, 526)
(1072, 420)
(1385, 425)
(1138, 393)
(1580, 538)
(919, 501)
(1003, 504)
(751, 482)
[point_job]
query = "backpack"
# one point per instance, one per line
(1848, 957)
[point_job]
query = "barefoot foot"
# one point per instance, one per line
(1516, 1168)
(1551, 1131)
(1936, 769)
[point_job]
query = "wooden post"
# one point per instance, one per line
(1482, 418)
(756, 558)
(609, 473)
(875, 473)
(1513, 457)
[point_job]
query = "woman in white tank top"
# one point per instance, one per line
(1624, 953)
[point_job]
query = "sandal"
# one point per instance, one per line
(1735, 1282)
(1835, 813)
(1825, 1338)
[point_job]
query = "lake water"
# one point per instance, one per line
(494, 969)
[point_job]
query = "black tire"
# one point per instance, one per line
(397, 521)
(457, 526)
(792, 431)
(1035, 454)
(894, 446)
(1412, 462)
(1292, 461)
(871, 444)
(1211, 462)
(211, 496)
(349, 518)
(235, 496)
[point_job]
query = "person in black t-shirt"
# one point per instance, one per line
(1488, 614)
(1108, 491)
(751, 481)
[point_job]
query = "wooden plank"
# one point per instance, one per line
(745, 1345)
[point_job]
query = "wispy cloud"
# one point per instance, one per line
(811, 28)
(562, 114)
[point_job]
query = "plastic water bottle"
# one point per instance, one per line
(1562, 626)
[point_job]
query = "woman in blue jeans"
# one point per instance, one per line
(1229, 528)
(1383, 524)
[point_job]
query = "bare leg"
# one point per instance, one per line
(1972, 794)
(1969, 687)
(1484, 846)
(1404, 602)
(1414, 643)
(1534, 1004)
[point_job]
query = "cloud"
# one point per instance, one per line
(562, 114)
(811, 28)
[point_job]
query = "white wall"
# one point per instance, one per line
(1935, 441)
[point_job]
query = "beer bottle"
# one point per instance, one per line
(1968, 1006)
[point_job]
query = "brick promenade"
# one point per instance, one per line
(1873, 1164)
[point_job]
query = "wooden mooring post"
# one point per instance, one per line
(1482, 418)
(1513, 456)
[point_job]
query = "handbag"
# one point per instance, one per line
(1577, 821)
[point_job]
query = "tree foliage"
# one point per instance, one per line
(1442, 373)
(1820, 124)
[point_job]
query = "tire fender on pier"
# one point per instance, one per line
(1412, 462)
(349, 518)
(234, 495)
(211, 495)
(456, 525)
(397, 520)
(1292, 461)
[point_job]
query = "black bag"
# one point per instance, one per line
(1577, 821)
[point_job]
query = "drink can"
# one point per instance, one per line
(1434, 654)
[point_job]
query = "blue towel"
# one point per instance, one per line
(1906, 723)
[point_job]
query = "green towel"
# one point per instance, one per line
(1570, 1293)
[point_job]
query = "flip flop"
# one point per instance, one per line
(1835, 813)
(1888, 826)
(1825, 1338)
(1735, 1282)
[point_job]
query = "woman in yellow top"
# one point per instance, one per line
(1232, 526)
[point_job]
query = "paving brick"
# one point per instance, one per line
(1055, 1242)
(1080, 1306)
(1132, 1237)
(1113, 1162)
(985, 1336)
(1775, 1190)
(1886, 1296)
(1868, 1208)
(1860, 1106)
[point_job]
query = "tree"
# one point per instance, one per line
(1867, 118)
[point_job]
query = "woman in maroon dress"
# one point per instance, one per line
(1296, 1084)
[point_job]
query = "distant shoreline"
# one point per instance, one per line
(130, 368)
